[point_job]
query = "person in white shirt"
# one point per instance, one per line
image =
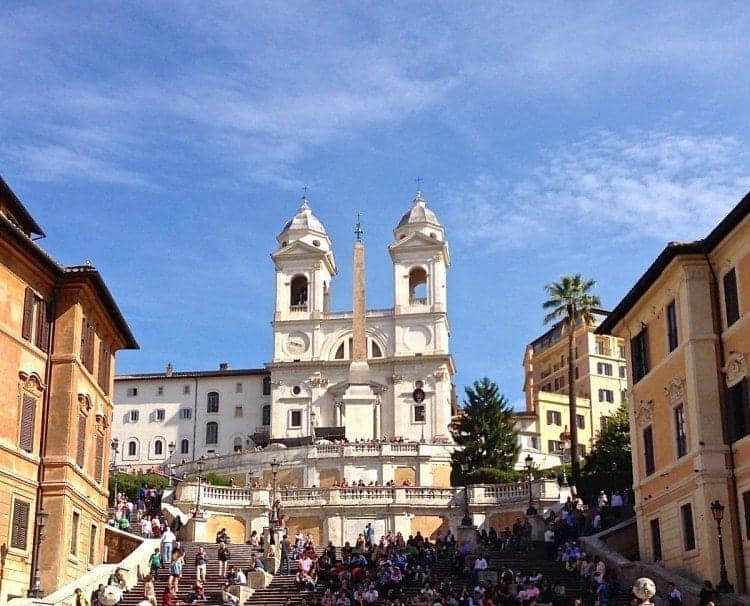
(146, 528)
(239, 577)
(167, 541)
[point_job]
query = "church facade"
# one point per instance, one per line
(360, 375)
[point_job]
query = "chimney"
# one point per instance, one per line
(169, 369)
(224, 366)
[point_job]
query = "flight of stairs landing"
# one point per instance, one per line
(241, 556)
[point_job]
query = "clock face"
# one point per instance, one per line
(296, 343)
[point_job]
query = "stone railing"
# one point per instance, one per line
(479, 494)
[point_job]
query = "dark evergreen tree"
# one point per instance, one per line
(609, 465)
(486, 433)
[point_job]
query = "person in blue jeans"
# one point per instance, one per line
(167, 541)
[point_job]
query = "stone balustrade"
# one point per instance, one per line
(478, 494)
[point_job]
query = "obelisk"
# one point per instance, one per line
(359, 370)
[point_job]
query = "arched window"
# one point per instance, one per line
(212, 401)
(340, 355)
(184, 446)
(132, 448)
(375, 351)
(298, 293)
(158, 447)
(266, 386)
(266, 415)
(238, 445)
(212, 432)
(418, 286)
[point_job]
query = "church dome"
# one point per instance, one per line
(304, 220)
(420, 219)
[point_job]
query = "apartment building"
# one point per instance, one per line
(686, 323)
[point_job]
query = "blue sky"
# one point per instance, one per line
(168, 143)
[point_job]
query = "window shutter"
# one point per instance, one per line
(45, 315)
(84, 325)
(103, 374)
(81, 450)
(28, 314)
(20, 524)
(99, 463)
(91, 331)
(28, 410)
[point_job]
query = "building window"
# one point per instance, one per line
(559, 383)
(212, 401)
(265, 414)
(28, 418)
(746, 506)
(731, 297)
(298, 293)
(266, 386)
(133, 416)
(88, 333)
(554, 417)
(606, 395)
(738, 405)
(603, 422)
(688, 532)
(238, 388)
(648, 450)
(19, 532)
(132, 448)
(184, 446)
(158, 448)
(186, 413)
(238, 445)
(639, 354)
(418, 286)
(420, 413)
(131, 392)
(581, 450)
(35, 325)
(554, 446)
(672, 339)
(161, 414)
(81, 445)
(160, 390)
(104, 367)
(581, 421)
(375, 351)
(212, 432)
(186, 390)
(74, 533)
(295, 418)
(92, 544)
(99, 460)
(655, 539)
(603, 368)
(238, 412)
(534, 442)
(623, 372)
(680, 434)
(601, 347)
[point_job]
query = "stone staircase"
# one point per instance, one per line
(241, 556)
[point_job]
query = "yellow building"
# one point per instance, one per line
(600, 383)
(687, 326)
(59, 331)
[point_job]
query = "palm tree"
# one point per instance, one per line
(571, 304)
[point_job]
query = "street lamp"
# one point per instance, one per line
(170, 448)
(36, 586)
(274, 518)
(197, 512)
(565, 440)
(531, 511)
(724, 586)
(466, 521)
(115, 444)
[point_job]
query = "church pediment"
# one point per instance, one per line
(301, 250)
(420, 242)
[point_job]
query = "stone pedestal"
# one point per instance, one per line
(243, 592)
(468, 535)
(258, 579)
(195, 529)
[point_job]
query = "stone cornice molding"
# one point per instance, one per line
(31, 382)
(644, 413)
(675, 391)
(736, 368)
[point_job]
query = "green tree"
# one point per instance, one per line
(486, 433)
(609, 465)
(571, 303)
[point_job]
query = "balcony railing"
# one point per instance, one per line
(418, 300)
(423, 496)
(298, 307)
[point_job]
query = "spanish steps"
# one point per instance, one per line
(283, 590)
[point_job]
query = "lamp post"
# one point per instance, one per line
(466, 520)
(36, 585)
(197, 512)
(170, 448)
(115, 444)
(565, 440)
(724, 586)
(274, 518)
(531, 511)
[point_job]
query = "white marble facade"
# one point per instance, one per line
(300, 393)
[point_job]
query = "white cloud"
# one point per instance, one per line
(663, 186)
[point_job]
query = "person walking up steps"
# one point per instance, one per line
(201, 563)
(167, 542)
(223, 557)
